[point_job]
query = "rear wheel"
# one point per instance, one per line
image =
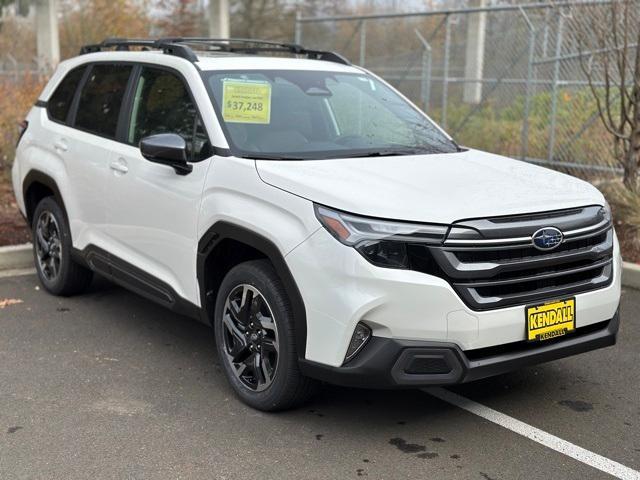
(255, 339)
(57, 271)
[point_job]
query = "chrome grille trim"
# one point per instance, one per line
(491, 273)
(495, 241)
(457, 269)
(543, 276)
(524, 241)
(601, 280)
(600, 227)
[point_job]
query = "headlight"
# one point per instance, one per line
(382, 242)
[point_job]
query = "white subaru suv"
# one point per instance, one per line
(323, 225)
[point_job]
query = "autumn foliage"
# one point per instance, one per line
(180, 18)
(91, 21)
(16, 98)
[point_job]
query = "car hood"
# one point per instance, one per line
(437, 188)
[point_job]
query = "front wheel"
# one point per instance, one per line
(255, 339)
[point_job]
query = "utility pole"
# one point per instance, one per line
(219, 18)
(48, 42)
(474, 58)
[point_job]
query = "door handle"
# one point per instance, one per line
(119, 167)
(61, 146)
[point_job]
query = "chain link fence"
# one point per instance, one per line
(506, 78)
(13, 70)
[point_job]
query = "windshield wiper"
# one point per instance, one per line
(267, 156)
(337, 154)
(391, 152)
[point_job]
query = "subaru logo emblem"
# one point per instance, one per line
(547, 238)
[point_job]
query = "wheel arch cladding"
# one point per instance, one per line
(36, 186)
(225, 245)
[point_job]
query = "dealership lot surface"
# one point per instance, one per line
(108, 385)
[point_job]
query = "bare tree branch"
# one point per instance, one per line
(607, 46)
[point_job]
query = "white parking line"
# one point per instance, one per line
(540, 436)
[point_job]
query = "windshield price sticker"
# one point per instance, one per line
(246, 102)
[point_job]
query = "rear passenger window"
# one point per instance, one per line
(60, 102)
(101, 99)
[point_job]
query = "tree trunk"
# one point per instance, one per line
(630, 177)
(632, 160)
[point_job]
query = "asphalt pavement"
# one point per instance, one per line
(110, 386)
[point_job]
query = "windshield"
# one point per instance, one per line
(290, 114)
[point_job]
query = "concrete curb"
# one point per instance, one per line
(631, 275)
(20, 257)
(16, 257)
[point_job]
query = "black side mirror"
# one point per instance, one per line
(167, 149)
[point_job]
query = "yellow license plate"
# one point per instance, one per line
(551, 320)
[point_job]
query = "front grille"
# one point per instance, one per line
(492, 263)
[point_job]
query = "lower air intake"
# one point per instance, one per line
(427, 366)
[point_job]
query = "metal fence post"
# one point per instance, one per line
(363, 41)
(524, 142)
(445, 74)
(14, 62)
(298, 29)
(545, 41)
(545, 44)
(363, 47)
(554, 94)
(425, 74)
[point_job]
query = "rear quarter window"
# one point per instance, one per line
(59, 104)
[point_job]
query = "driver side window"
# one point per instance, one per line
(162, 104)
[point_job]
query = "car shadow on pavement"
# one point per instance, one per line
(163, 327)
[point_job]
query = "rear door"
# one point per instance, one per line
(153, 212)
(87, 148)
(59, 140)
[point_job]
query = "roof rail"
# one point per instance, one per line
(123, 44)
(183, 47)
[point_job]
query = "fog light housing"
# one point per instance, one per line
(359, 339)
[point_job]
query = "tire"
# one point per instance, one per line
(59, 274)
(270, 321)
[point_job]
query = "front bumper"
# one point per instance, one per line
(392, 363)
(340, 288)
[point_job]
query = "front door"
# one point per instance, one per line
(153, 212)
